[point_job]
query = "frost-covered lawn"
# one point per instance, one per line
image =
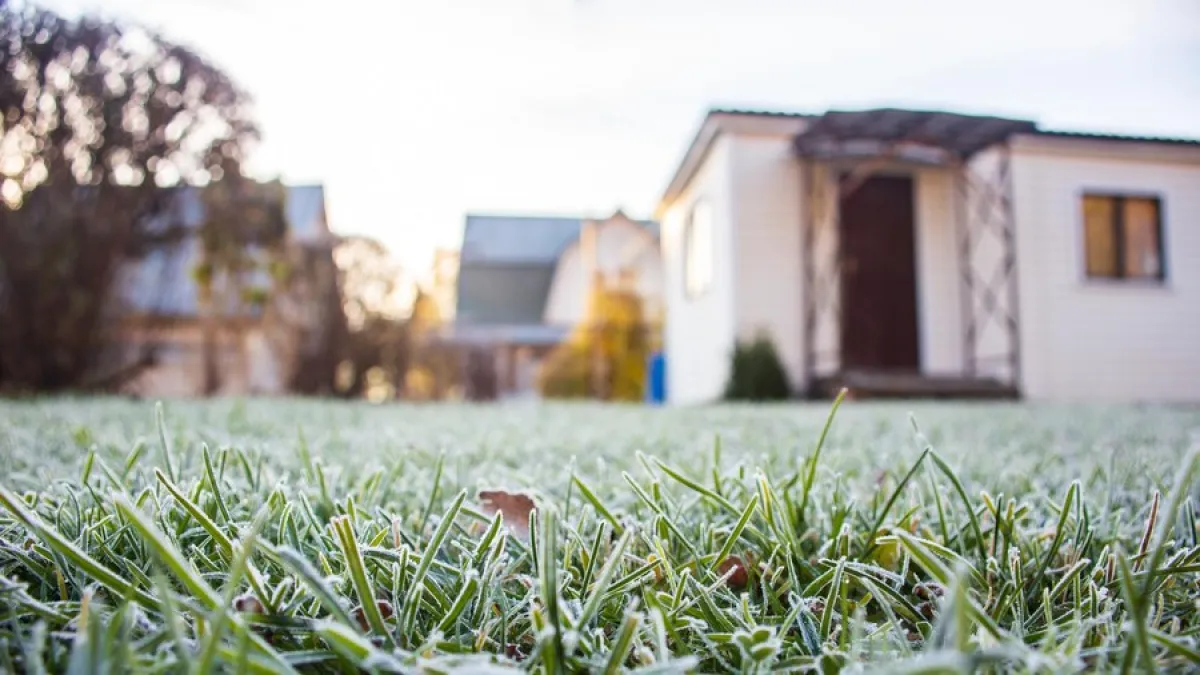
(993, 537)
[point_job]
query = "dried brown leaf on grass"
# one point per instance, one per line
(739, 577)
(515, 507)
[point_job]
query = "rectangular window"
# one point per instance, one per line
(698, 250)
(1123, 237)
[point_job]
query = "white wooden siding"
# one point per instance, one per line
(766, 206)
(619, 242)
(699, 332)
(1078, 339)
(939, 276)
(1107, 341)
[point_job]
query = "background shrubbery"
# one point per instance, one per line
(606, 355)
(756, 373)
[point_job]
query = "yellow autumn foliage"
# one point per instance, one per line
(605, 355)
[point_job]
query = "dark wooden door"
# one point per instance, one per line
(879, 276)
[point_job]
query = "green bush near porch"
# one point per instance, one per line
(756, 372)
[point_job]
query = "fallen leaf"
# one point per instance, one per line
(247, 603)
(739, 577)
(385, 610)
(515, 507)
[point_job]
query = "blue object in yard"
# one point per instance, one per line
(656, 391)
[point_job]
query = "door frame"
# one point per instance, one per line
(842, 253)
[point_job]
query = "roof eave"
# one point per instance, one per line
(702, 142)
(693, 157)
(1176, 148)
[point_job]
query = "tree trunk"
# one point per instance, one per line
(238, 329)
(208, 335)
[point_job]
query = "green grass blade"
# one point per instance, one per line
(164, 440)
(357, 569)
(811, 477)
(308, 574)
(962, 495)
(93, 569)
(592, 605)
(735, 534)
(416, 585)
(601, 509)
(624, 641)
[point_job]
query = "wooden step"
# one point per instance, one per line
(868, 385)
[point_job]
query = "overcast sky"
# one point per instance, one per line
(414, 112)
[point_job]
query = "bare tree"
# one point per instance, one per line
(373, 288)
(243, 228)
(97, 118)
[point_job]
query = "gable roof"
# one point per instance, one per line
(871, 124)
(717, 121)
(503, 294)
(507, 264)
(516, 239)
(957, 134)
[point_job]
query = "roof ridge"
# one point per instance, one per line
(498, 215)
(759, 112)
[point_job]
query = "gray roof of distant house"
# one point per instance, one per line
(306, 212)
(516, 239)
(503, 294)
(507, 263)
(522, 239)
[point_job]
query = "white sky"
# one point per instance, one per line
(414, 112)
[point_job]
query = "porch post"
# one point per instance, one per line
(1009, 227)
(822, 263)
(808, 272)
(966, 269)
(984, 206)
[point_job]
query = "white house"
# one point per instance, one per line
(271, 344)
(522, 283)
(929, 252)
(616, 248)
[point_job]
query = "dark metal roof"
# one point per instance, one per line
(761, 113)
(1125, 138)
(958, 134)
(842, 133)
(503, 294)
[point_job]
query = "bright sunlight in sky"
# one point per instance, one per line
(413, 112)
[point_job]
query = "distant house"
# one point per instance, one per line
(444, 282)
(523, 283)
(912, 252)
(262, 353)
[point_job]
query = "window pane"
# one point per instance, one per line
(698, 264)
(689, 255)
(1099, 240)
(1141, 238)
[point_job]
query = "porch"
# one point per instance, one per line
(512, 354)
(887, 311)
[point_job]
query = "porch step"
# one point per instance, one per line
(868, 385)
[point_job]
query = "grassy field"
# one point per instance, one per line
(277, 536)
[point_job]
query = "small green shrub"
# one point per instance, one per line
(757, 374)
